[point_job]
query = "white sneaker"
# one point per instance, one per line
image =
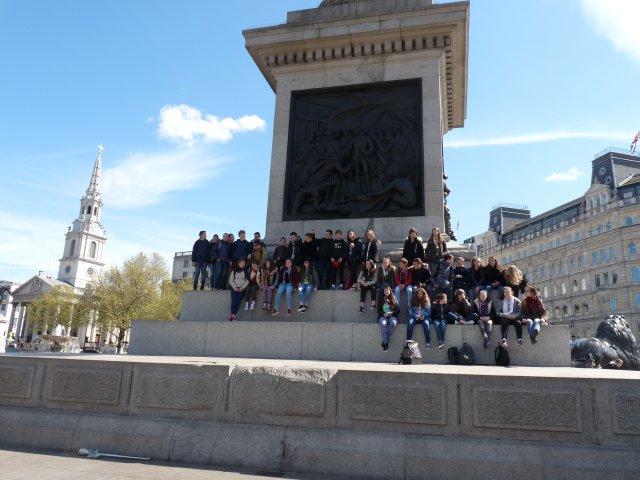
(246, 306)
(252, 306)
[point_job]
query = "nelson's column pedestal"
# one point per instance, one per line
(365, 91)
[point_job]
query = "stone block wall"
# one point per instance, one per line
(375, 421)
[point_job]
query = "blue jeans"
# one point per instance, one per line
(305, 291)
(489, 289)
(236, 300)
(201, 268)
(534, 325)
(409, 290)
(284, 287)
(217, 274)
(440, 326)
(387, 326)
(425, 327)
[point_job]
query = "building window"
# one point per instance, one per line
(184, 275)
(609, 226)
(581, 261)
(72, 249)
(560, 242)
(636, 299)
(557, 310)
(92, 250)
(545, 291)
(585, 307)
(614, 278)
(563, 288)
(612, 253)
(605, 278)
(575, 285)
(635, 274)
(600, 229)
(185, 264)
(594, 258)
(576, 308)
(597, 279)
(613, 304)
(591, 231)
(565, 310)
(552, 245)
(553, 269)
(628, 221)
(583, 283)
(561, 266)
(603, 255)
(572, 262)
(570, 239)
(555, 290)
(632, 248)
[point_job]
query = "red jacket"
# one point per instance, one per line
(407, 279)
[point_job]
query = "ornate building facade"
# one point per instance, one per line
(584, 254)
(81, 262)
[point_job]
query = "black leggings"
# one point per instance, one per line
(364, 290)
(504, 325)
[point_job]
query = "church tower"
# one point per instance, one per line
(81, 260)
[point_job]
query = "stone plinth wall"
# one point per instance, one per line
(348, 342)
(364, 421)
(332, 329)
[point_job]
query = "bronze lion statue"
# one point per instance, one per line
(614, 346)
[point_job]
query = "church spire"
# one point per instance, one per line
(94, 184)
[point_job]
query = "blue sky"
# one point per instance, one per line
(550, 84)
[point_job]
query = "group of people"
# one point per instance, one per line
(438, 290)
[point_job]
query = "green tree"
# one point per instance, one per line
(55, 307)
(140, 290)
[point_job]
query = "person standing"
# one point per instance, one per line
(354, 258)
(339, 253)
(280, 253)
(413, 247)
(436, 248)
(214, 260)
(294, 250)
(325, 246)
(200, 259)
(241, 248)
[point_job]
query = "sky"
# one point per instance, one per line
(186, 118)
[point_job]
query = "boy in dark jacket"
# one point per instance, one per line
(200, 259)
(339, 252)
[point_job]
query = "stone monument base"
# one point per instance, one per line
(365, 421)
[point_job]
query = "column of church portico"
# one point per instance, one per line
(21, 320)
(12, 319)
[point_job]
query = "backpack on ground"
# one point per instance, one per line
(502, 356)
(466, 355)
(410, 354)
(454, 356)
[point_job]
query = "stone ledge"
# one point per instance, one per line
(356, 342)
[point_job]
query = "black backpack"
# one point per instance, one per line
(454, 356)
(502, 356)
(466, 355)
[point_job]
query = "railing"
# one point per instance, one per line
(626, 151)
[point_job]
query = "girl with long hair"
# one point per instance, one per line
(420, 312)
(388, 312)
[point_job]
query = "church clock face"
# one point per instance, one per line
(90, 271)
(602, 171)
(95, 228)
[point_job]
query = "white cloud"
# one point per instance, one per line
(534, 138)
(617, 21)
(569, 176)
(187, 126)
(144, 179)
